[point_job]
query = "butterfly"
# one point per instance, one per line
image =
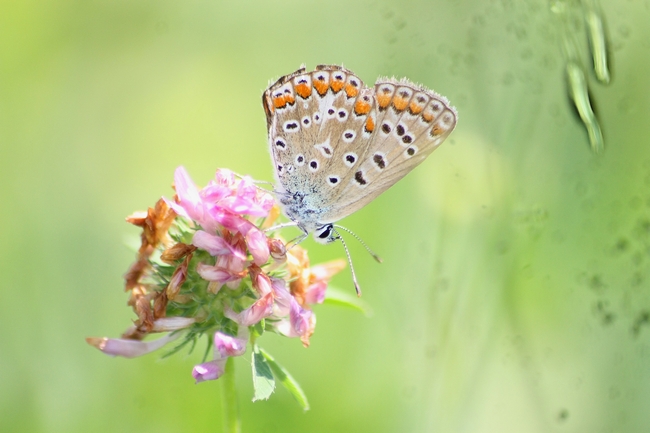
(337, 144)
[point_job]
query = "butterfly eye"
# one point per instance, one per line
(313, 165)
(324, 232)
(342, 114)
(407, 139)
(400, 130)
(317, 118)
(386, 127)
(300, 160)
(306, 121)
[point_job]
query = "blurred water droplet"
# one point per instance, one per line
(579, 93)
(399, 24)
(626, 104)
(502, 247)
(479, 20)
(597, 45)
(596, 283)
(621, 245)
(507, 79)
(624, 31)
(581, 189)
(642, 319)
(614, 393)
(558, 7)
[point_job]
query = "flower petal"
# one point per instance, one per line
(188, 194)
(167, 324)
(210, 370)
(315, 293)
(227, 345)
(261, 281)
(299, 324)
(262, 308)
(282, 296)
(216, 273)
(257, 245)
(300, 318)
(216, 245)
(129, 348)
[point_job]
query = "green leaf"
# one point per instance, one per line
(347, 299)
(286, 380)
(263, 381)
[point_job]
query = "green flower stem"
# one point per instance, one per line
(232, 423)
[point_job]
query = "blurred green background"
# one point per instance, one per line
(515, 290)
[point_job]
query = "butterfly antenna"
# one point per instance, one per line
(347, 253)
(372, 253)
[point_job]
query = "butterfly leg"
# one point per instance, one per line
(281, 226)
(295, 241)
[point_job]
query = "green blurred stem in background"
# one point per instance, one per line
(231, 420)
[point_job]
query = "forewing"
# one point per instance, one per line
(318, 127)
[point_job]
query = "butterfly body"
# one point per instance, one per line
(337, 144)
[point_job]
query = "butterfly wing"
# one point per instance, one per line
(319, 125)
(336, 144)
(410, 123)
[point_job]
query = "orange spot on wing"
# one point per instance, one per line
(321, 87)
(279, 101)
(428, 117)
(370, 125)
(337, 85)
(351, 91)
(303, 90)
(290, 99)
(361, 108)
(436, 131)
(399, 103)
(383, 100)
(415, 108)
